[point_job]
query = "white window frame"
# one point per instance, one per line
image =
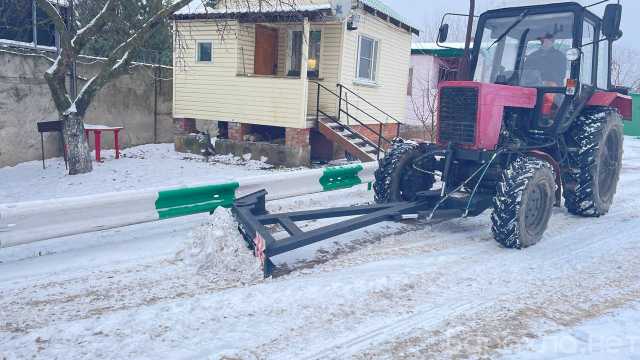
(290, 46)
(289, 49)
(210, 42)
(375, 62)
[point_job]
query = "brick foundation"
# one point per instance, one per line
(297, 138)
(184, 126)
(237, 131)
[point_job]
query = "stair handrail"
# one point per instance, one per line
(372, 105)
(378, 133)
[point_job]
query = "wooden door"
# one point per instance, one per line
(266, 57)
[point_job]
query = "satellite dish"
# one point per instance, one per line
(341, 8)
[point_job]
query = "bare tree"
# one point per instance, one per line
(625, 70)
(74, 37)
(424, 99)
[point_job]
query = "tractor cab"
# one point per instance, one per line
(561, 50)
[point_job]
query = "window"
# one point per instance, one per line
(586, 63)
(603, 64)
(367, 59)
(295, 53)
(526, 52)
(205, 51)
(16, 23)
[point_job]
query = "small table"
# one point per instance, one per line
(97, 132)
(51, 126)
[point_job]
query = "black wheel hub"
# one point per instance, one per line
(535, 209)
(609, 165)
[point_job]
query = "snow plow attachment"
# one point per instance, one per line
(254, 220)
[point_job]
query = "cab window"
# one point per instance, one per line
(603, 65)
(586, 63)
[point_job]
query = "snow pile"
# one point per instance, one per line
(217, 250)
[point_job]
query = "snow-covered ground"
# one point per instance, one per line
(140, 167)
(445, 290)
(614, 336)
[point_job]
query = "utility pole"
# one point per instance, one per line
(464, 66)
(34, 23)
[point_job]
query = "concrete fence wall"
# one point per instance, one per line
(128, 101)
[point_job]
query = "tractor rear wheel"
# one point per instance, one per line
(523, 202)
(397, 179)
(595, 142)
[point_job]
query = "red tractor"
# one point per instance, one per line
(535, 119)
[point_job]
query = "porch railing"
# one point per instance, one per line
(376, 128)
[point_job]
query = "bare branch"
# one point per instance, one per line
(94, 27)
(118, 63)
(53, 14)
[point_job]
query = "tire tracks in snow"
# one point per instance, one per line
(555, 257)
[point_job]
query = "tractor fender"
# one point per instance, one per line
(623, 103)
(556, 169)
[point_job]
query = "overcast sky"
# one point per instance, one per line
(422, 12)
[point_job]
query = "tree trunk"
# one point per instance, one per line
(76, 145)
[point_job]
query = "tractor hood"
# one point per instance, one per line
(470, 113)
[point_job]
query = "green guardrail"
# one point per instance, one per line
(194, 200)
(341, 177)
(632, 128)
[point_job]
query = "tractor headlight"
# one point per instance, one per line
(573, 54)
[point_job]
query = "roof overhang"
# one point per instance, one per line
(432, 49)
(252, 14)
(382, 11)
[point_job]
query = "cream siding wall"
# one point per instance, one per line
(213, 91)
(394, 55)
(330, 45)
(246, 48)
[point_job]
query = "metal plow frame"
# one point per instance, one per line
(253, 219)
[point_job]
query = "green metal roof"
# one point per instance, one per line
(433, 49)
(447, 53)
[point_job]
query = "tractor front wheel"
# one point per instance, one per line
(402, 173)
(523, 202)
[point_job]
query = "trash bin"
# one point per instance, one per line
(632, 128)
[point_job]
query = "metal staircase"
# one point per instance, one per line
(341, 127)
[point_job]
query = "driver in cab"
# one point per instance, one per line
(549, 61)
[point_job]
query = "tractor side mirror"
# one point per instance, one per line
(443, 33)
(611, 21)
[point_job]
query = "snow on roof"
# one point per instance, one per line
(196, 7)
(434, 46)
(386, 9)
(433, 49)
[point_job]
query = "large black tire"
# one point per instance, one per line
(523, 202)
(595, 143)
(396, 177)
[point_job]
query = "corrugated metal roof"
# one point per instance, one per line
(454, 49)
(385, 9)
(196, 7)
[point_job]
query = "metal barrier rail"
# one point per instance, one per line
(26, 222)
